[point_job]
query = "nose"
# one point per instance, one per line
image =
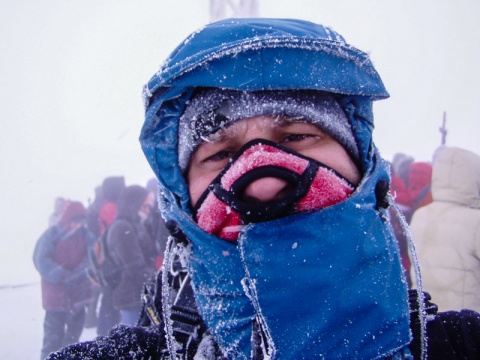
(266, 189)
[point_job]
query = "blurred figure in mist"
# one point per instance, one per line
(93, 212)
(61, 258)
(419, 185)
(131, 246)
(155, 224)
(92, 223)
(447, 231)
(111, 189)
(411, 188)
(400, 168)
(59, 206)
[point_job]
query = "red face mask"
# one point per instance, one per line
(223, 210)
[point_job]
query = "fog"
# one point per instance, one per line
(71, 74)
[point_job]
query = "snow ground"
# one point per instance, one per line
(22, 319)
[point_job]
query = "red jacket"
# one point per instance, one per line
(61, 258)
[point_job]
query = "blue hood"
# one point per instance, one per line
(255, 54)
(280, 54)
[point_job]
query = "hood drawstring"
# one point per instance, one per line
(166, 311)
(418, 277)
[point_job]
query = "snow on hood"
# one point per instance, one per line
(268, 54)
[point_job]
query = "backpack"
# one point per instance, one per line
(104, 270)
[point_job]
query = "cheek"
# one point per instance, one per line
(349, 170)
(337, 158)
(197, 185)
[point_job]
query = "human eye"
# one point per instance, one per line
(219, 156)
(292, 138)
(296, 134)
(214, 155)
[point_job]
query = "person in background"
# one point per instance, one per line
(59, 206)
(447, 231)
(420, 185)
(61, 258)
(403, 200)
(131, 246)
(155, 224)
(93, 212)
(112, 187)
(93, 224)
(401, 166)
(276, 198)
(408, 199)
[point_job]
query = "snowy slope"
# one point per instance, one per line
(22, 322)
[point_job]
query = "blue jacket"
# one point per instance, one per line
(332, 282)
(61, 258)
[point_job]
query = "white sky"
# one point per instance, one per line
(71, 74)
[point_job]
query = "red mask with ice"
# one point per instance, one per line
(223, 209)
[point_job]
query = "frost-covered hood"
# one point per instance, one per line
(260, 53)
(281, 54)
(456, 177)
